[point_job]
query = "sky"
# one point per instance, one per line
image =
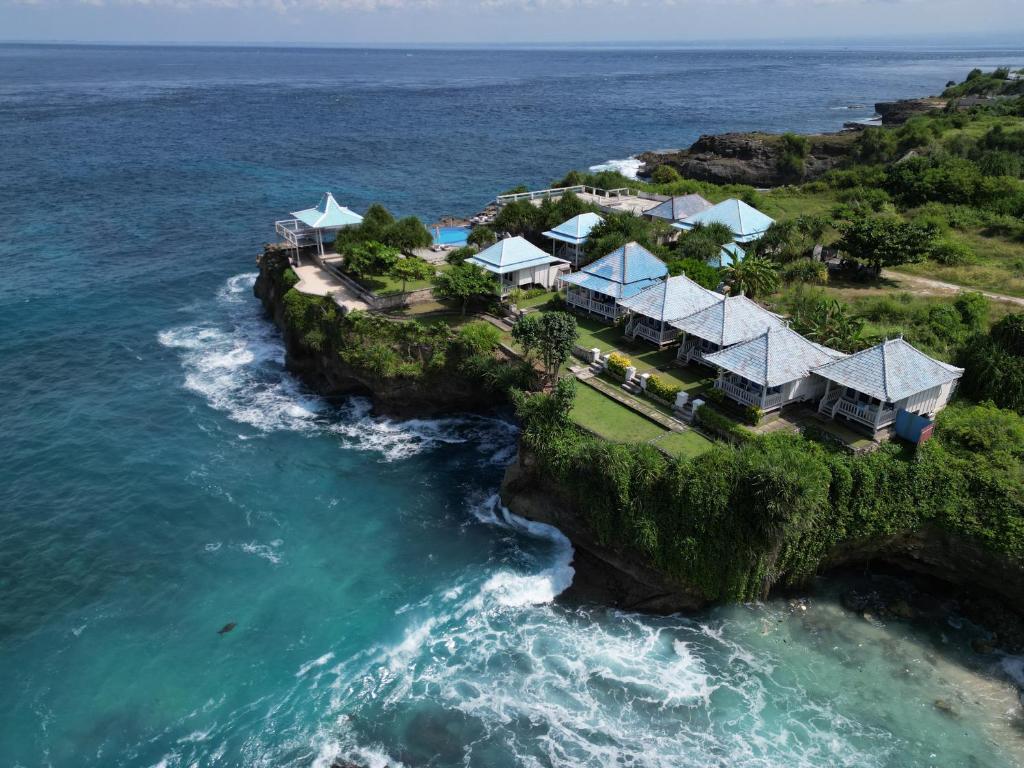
(340, 22)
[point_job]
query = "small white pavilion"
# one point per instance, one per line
(519, 263)
(679, 208)
(569, 237)
(730, 321)
(869, 388)
(655, 307)
(316, 226)
(772, 370)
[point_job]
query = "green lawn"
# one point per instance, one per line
(686, 444)
(537, 301)
(611, 420)
(385, 285)
(999, 265)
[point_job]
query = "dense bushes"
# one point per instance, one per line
(994, 364)
(617, 364)
(736, 520)
(660, 388)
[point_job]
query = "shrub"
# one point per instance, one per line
(659, 388)
(617, 364)
(481, 236)
(805, 271)
(753, 415)
(994, 364)
(951, 252)
(459, 255)
(665, 174)
(479, 337)
(721, 425)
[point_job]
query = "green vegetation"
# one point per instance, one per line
(465, 283)
(607, 418)
(994, 365)
(381, 227)
(737, 520)
(551, 336)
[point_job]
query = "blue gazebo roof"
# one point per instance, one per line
(575, 230)
(328, 215)
(745, 222)
(622, 273)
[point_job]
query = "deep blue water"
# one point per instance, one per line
(162, 475)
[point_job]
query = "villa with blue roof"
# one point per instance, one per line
(518, 263)
(678, 208)
(569, 237)
(316, 226)
(746, 223)
(598, 287)
(869, 389)
(652, 310)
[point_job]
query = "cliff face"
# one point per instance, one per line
(621, 578)
(428, 395)
(751, 158)
(898, 112)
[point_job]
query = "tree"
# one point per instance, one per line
(459, 255)
(751, 277)
(994, 364)
(464, 282)
(879, 241)
(518, 218)
(665, 174)
(408, 234)
(481, 237)
(617, 229)
(411, 268)
(370, 258)
(700, 272)
(480, 337)
(551, 336)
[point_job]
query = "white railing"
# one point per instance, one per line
(749, 396)
(825, 406)
(690, 351)
(604, 308)
(295, 232)
(654, 335)
(865, 414)
(541, 194)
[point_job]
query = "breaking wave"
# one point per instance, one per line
(238, 366)
(629, 167)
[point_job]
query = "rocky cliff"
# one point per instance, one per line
(756, 159)
(327, 374)
(898, 112)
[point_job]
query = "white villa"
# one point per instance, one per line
(868, 388)
(316, 226)
(679, 208)
(732, 320)
(746, 223)
(598, 287)
(569, 237)
(653, 308)
(773, 369)
(518, 263)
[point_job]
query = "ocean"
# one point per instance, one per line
(165, 477)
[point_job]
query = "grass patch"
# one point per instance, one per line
(999, 267)
(611, 420)
(687, 444)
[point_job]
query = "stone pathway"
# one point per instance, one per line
(315, 281)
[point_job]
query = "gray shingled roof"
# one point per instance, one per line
(676, 297)
(680, 207)
(776, 357)
(890, 371)
(728, 322)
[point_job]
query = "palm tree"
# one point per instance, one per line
(754, 276)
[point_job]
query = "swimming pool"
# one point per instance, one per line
(450, 235)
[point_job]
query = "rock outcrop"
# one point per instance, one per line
(326, 374)
(752, 158)
(898, 112)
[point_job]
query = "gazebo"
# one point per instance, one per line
(653, 308)
(316, 225)
(517, 262)
(772, 370)
(570, 236)
(745, 222)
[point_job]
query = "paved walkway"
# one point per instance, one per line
(939, 288)
(315, 281)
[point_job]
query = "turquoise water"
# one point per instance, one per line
(163, 475)
(451, 235)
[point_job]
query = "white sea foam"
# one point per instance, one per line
(266, 551)
(237, 366)
(318, 662)
(629, 167)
